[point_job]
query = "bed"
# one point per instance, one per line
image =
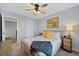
(55, 41)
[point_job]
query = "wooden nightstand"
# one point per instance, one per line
(67, 44)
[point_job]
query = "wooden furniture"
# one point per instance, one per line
(11, 39)
(25, 49)
(16, 49)
(67, 44)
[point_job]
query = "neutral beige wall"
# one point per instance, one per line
(66, 17)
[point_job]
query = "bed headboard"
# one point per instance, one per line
(57, 31)
(53, 30)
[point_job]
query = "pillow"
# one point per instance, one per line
(56, 35)
(39, 54)
(47, 34)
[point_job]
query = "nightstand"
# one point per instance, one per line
(67, 44)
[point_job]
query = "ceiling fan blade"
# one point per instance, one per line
(32, 4)
(42, 9)
(27, 9)
(44, 5)
(42, 12)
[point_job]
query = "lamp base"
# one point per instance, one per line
(69, 35)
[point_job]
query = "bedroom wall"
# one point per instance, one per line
(26, 27)
(66, 17)
(21, 29)
(29, 28)
(36, 27)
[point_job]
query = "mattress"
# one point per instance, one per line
(37, 38)
(56, 45)
(56, 42)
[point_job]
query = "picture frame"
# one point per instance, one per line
(53, 23)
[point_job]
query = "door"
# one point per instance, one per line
(0, 27)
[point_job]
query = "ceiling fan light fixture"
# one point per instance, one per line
(38, 8)
(38, 11)
(34, 11)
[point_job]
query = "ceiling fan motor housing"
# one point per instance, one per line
(36, 7)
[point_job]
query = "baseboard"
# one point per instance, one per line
(75, 50)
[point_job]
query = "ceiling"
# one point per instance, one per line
(19, 8)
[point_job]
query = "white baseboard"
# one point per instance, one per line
(75, 50)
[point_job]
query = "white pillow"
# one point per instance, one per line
(56, 35)
(39, 54)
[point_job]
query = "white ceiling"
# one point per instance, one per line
(19, 8)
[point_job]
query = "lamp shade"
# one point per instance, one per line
(69, 28)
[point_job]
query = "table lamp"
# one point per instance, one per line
(69, 30)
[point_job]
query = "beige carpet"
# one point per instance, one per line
(61, 52)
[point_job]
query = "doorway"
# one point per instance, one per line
(11, 29)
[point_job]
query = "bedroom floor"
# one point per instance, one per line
(60, 52)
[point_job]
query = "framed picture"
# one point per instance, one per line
(53, 23)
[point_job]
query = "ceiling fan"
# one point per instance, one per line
(38, 8)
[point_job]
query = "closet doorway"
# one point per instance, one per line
(11, 29)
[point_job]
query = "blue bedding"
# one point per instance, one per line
(42, 46)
